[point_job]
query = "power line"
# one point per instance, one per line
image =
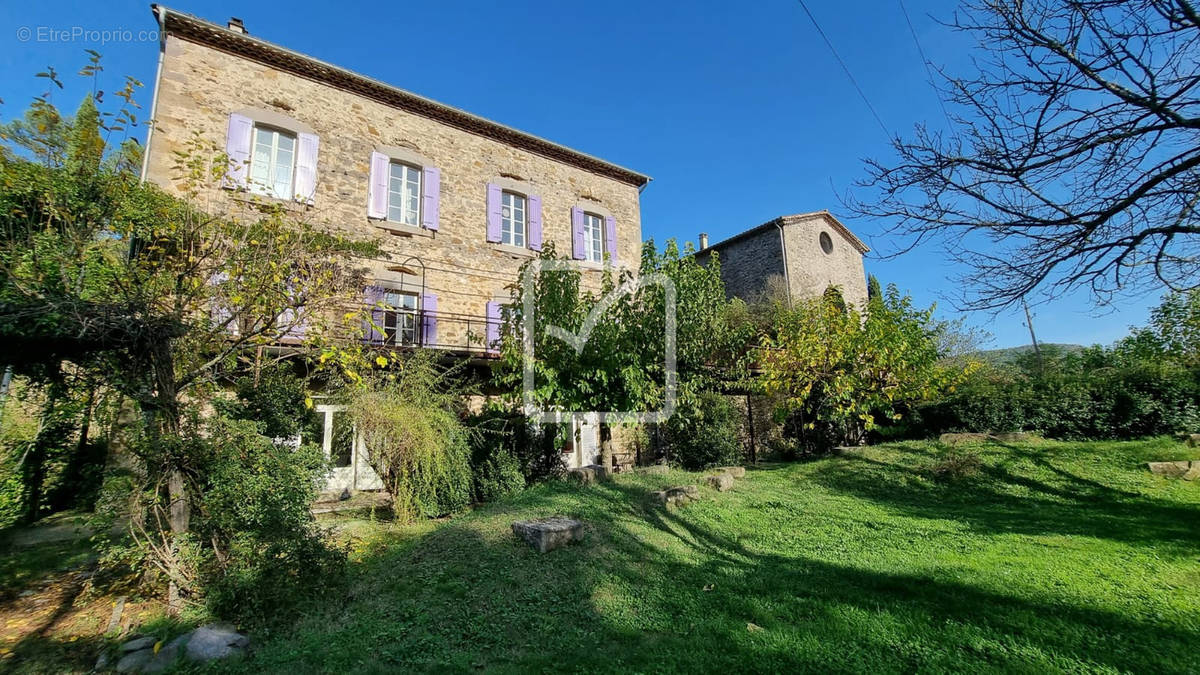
(845, 69)
(925, 62)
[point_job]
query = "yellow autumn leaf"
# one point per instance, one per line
(381, 361)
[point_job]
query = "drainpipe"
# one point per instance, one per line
(787, 271)
(160, 13)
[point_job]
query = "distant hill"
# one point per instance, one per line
(1008, 355)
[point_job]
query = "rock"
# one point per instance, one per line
(735, 471)
(215, 641)
(677, 496)
(1193, 440)
(1169, 469)
(588, 474)
(657, 469)
(134, 662)
(720, 482)
(959, 439)
(1192, 473)
(25, 594)
(138, 644)
(345, 495)
(1013, 437)
(168, 655)
(547, 534)
(104, 661)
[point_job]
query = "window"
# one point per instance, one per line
(826, 243)
(272, 163)
(593, 238)
(404, 194)
(512, 219)
(400, 318)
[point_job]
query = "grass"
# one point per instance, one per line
(1045, 557)
(902, 557)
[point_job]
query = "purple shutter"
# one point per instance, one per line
(431, 187)
(237, 147)
(534, 204)
(428, 319)
(372, 329)
(306, 167)
(577, 248)
(377, 188)
(493, 213)
(492, 335)
(610, 231)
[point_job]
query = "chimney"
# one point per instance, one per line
(703, 241)
(236, 25)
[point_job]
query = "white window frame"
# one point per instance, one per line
(269, 189)
(514, 230)
(417, 180)
(594, 237)
(400, 321)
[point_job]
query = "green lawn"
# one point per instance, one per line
(1054, 557)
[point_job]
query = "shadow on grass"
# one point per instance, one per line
(1001, 499)
(654, 590)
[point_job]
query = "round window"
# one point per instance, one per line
(826, 242)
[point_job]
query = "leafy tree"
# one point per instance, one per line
(838, 372)
(874, 290)
(1073, 158)
(160, 298)
(622, 365)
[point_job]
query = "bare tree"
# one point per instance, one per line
(1074, 162)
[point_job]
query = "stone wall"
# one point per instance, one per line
(749, 262)
(753, 263)
(200, 86)
(812, 270)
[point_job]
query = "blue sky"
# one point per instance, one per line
(737, 109)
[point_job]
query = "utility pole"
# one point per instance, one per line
(1037, 351)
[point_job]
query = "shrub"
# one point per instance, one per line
(705, 433)
(409, 421)
(1097, 394)
(260, 550)
(274, 402)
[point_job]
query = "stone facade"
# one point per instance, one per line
(204, 78)
(803, 254)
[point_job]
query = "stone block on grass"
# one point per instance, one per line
(588, 474)
(677, 496)
(735, 471)
(547, 534)
(1169, 469)
(720, 482)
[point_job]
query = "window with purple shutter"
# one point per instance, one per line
(577, 244)
(535, 222)
(610, 233)
(430, 193)
(306, 167)
(237, 147)
(428, 319)
(492, 334)
(493, 213)
(377, 189)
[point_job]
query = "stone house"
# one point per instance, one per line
(459, 201)
(800, 255)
